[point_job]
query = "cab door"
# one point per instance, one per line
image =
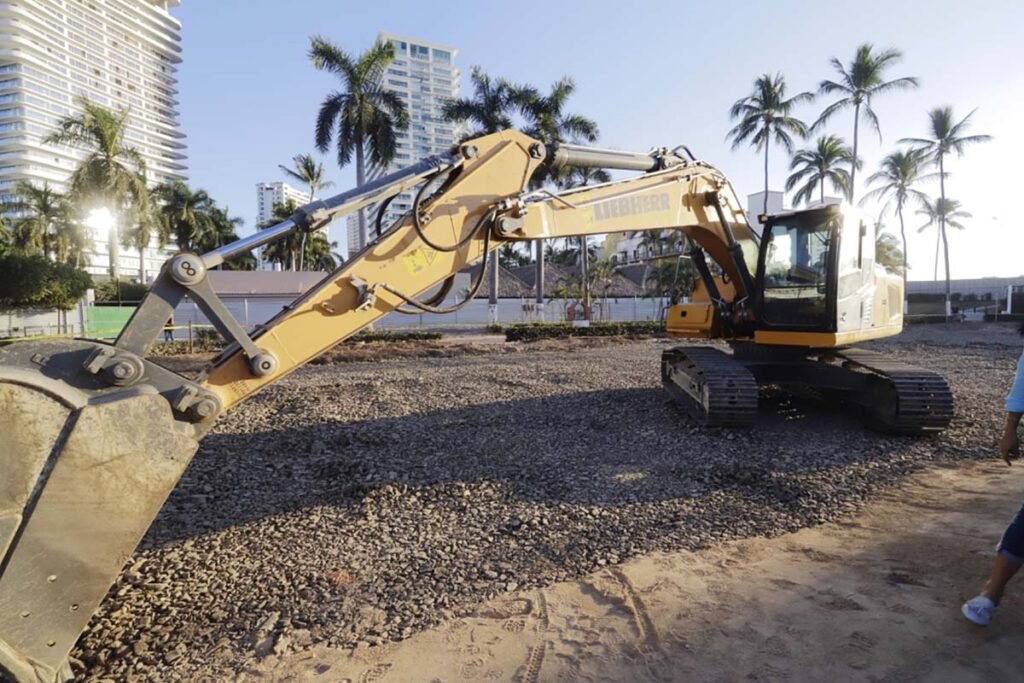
(796, 271)
(855, 291)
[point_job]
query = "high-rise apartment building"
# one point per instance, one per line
(424, 75)
(278, 192)
(122, 54)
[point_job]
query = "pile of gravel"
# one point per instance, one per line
(360, 503)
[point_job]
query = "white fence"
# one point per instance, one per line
(31, 323)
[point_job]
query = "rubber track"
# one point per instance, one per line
(727, 389)
(924, 402)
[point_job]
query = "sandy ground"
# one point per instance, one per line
(873, 599)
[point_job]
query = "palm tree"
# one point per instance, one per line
(888, 254)
(509, 255)
(40, 208)
(489, 109)
(813, 167)
(307, 170)
(112, 174)
(138, 236)
(857, 84)
(45, 223)
(652, 243)
(361, 119)
(221, 228)
(946, 137)
(942, 213)
(765, 114)
(285, 251)
(896, 177)
(319, 254)
(183, 214)
(547, 121)
(581, 177)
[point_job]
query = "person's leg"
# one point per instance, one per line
(1003, 569)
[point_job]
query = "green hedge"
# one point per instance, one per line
(385, 336)
(535, 331)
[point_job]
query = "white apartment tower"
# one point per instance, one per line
(425, 77)
(122, 54)
(269, 194)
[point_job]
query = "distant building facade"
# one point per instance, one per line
(424, 75)
(119, 54)
(277, 192)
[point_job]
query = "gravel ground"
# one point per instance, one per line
(358, 503)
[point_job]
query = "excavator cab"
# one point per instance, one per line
(817, 281)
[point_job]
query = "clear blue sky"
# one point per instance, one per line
(650, 73)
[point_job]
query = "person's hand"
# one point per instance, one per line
(1009, 446)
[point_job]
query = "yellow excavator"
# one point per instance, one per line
(93, 435)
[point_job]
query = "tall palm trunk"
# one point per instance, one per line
(114, 252)
(821, 186)
(942, 227)
(302, 256)
(938, 244)
(585, 269)
(492, 285)
(764, 210)
(903, 235)
(142, 265)
(853, 167)
(540, 278)
(364, 236)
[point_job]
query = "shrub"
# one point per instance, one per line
(130, 291)
(375, 336)
(534, 331)
(34, 282)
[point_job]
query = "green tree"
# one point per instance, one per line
(547, 121)
(889, 255)
(112, 174)
(857, 84)
(580, 176)
(652, 243)
(284, 252)
(183, 214)
(320, 254)
(947, 136)
(489, 109)
(32, 281)
(895, 180)
(361, 119)
(813, 167)
(138, 234)
(942, 213)
(6, 236)
(45, 223)
(765, 114)
(311, 172)
(510, 256)
(673, 278)
(223, 229)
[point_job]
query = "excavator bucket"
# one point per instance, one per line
(83, 472)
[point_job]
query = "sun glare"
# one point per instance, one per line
(101, 220)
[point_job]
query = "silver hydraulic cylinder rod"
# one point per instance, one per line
(593, 157)
(338, 205)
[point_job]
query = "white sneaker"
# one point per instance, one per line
(979, 610)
